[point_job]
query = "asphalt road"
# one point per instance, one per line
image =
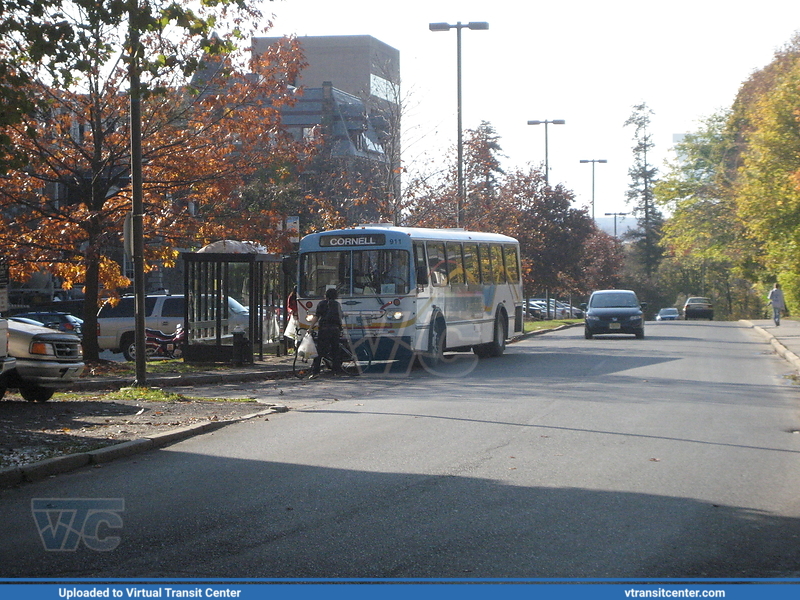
(673, 456)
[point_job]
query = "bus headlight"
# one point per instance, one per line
(394, 316)
(309, 317)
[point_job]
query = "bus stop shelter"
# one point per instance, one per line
(233, 303)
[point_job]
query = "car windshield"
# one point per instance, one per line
(669, 311)
(620, 300)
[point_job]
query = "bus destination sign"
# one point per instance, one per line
(351, 240)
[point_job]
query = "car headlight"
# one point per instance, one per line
(636, 317)
(43, 348)
(591, 318)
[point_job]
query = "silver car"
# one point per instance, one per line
(46, 360)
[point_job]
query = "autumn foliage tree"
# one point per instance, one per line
(562, 250)
(767, 187)
(734, 194)
(210, 121)
(31, 33)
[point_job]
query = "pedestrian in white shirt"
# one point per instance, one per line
(775, 298)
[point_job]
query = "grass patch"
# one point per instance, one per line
(142, 394)
(170, 366)
(540, 325)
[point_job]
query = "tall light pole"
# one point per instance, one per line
(546, 157)
(593, 161)
(460, 140)
(615, 215)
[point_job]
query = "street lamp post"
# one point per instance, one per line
(593, 161)
(546, 157)
(460, 140)
(615, 215)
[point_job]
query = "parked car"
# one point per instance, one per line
(26, 320)
(535, 311)
(574, 312)
(46, 360)
(614, 311)
(698, 308)
(116, 324)
(73, 307)
(56, 320)
(667, 314)
(557, 309)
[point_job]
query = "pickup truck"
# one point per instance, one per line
(7, 363)
(46, 360)
(116, 323)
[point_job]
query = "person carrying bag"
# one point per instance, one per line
(329, 318)
(292, 331)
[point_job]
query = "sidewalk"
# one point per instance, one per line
(785, 339)
(271, 367)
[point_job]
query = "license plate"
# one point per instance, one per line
(614, 326)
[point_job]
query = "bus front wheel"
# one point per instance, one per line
(436, 345)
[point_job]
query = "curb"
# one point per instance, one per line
(779, 348)
(524, 336)
(51, 467)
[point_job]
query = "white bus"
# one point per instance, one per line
(413, 291)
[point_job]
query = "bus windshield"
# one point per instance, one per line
(355, 273)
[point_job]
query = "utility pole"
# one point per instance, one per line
(136, 193)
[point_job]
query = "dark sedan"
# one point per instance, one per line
(614, 311)
(56, 320)
(698, 308)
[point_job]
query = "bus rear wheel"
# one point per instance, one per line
(498, 344)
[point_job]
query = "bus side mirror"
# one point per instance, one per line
(422, 276)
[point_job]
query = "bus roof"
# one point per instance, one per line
(419, 233)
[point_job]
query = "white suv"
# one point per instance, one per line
(116, 324)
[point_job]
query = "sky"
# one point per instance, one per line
(583, 61)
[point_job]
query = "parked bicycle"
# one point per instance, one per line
(355, 358)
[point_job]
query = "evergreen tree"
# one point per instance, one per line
(646, 249)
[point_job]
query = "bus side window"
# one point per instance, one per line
(437, 267)
(497, 264)
(455, 263)
(487, 274)
(471, 268)
(420, 264)
(512, 264)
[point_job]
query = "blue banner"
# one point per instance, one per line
(398, 589)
